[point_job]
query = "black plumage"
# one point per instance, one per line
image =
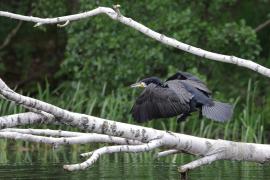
(192, 81)
(180, 95)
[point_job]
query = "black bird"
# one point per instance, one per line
(180, 95)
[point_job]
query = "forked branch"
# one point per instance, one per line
(114, 149)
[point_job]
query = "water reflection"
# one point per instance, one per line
(37, 165)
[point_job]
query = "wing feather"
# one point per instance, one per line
(191, 80)
(198, 85)
(161, 102)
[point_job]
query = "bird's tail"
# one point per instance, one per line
(219, 111)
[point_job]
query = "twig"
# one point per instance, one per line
(63, 25)
(263, 25)
(11, 35)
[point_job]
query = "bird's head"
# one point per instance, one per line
(145, 82)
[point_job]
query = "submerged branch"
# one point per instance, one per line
(114, 149)
(199, 162)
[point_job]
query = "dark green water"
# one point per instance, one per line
(48, 165)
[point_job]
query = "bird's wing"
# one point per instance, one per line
(198, 85)
(199, 96)
(180, 90)
(160, 102)
(182, 76)
(191, 80)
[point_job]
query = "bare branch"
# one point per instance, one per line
(168, 152)
(198, 162)
(11, 35)
(57, 20)
(114, 149)
(24, 119)
(45, 132)
(63, 25)
(83, 139)
(115, 15)
(87, 154)
(263, 25)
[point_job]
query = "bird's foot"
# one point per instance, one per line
(200, 114)
(182, 117)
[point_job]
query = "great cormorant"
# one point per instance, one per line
(180, 95)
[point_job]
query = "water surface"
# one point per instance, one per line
(48, 165)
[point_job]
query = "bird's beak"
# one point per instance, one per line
(139, 84)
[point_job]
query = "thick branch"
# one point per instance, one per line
(24, 119)
(114, 149)
(148, 32)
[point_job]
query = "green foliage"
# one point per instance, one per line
(49, 8)
(98, 48)
(32, 53)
